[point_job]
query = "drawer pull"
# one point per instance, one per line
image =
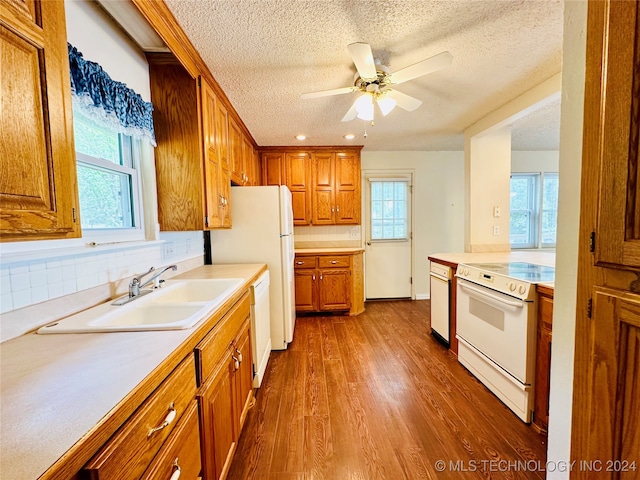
(176, 471)
(171, 416)
(236, 362)
(333, 262)
(299, 263)
(239, 353)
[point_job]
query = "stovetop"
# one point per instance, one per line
(527, 272)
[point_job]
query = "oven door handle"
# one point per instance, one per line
(514, 303)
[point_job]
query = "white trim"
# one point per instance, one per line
(423, 296)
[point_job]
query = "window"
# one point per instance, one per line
(108, 179)
(388, 210)
(534, 210)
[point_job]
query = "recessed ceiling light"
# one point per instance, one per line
(301, 137)
(349, 136)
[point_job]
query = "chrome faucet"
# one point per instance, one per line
(136, 284)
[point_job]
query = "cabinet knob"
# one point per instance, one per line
(236, 362)
(333, 262)
(239, 353)
(338, 209)
(333, 209)
(313, 277)
(299, 263)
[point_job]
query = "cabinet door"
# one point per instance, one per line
(243, 376)
(247, 156)
(618, 217)
(224, 174)
(273, 168)
(217, 427)
(236, 142)
(323, 197)
(335, 287)
(298, 173)
(209, 109)
(347, 188)
(543, 363)
(38, 186)
(306, 290)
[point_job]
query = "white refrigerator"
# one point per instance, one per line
(262, 232)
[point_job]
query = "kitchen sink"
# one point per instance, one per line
(179, 305)
(197, 290)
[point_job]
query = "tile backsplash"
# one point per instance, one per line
(330, 235)
(27, 281)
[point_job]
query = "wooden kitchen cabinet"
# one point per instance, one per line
(543, 359)
(140, 438)
(324, 183)
(329, 282)
(192, 168)
(38, 185)
(225, 373)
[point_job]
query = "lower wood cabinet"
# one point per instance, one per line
(192, 421)
(329, 282)
(543, 359)
(225, 373)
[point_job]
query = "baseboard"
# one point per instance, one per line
(422, 296)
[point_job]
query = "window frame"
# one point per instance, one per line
(407, 186)
(535, 218)
(130, 151)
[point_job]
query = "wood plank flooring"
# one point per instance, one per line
(376, 397)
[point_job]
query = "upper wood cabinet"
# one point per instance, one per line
(336, 188)
(192, 170)
(38, 184)
(617, 236)
(324, 183)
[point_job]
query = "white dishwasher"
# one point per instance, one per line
(440, 287)
(260, 327)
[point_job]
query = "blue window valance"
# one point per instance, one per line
(107, 101)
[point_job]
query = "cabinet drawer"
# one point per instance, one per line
(210, 351)
(128, 453)
(305, 262)
(181, 450)
(331, 261)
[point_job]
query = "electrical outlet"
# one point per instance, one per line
(167, 250)
(496, 212)
(496, 230)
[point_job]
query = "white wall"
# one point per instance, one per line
(564, 306)
(438, 203)
(487, 170)
(533, 162)
(47, 270)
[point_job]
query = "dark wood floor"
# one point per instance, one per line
(376, 397)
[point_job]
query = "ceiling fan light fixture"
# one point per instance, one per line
(364, 107)
(386, 104)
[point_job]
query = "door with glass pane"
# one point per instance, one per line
(388, 237)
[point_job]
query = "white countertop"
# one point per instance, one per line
(58, 389)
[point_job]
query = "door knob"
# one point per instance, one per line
(369, 243)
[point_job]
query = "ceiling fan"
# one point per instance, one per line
(375, 80)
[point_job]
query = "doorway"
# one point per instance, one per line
(388, 235)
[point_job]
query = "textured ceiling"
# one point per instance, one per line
(265, 53)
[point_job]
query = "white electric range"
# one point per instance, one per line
(496, 327)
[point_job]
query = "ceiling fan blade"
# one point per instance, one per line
(404, 101)
(363, 60)
(328, 93)
(351, 114)
(431, 64)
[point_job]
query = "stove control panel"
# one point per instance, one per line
(496, 281)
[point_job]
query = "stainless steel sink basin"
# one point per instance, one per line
(180, 304)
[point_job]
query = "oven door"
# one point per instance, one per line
(499, 326)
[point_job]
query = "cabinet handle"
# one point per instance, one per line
(333, 209)
(239, 353)
(338, 209)
(176, 470)
(313, 277)
(236, 362)
(299, 263)
(320, 276)
(333, 262)
(171, 416)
